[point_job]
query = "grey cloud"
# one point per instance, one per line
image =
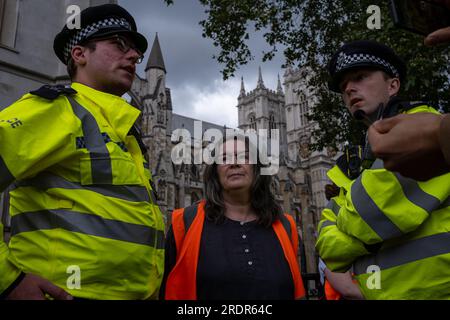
(187, 55)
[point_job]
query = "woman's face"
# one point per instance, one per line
(233, 177)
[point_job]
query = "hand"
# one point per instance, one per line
(343, 283)
(33, 287)
(442, 35)
(410, 145)
(331, 190)
(439, 36)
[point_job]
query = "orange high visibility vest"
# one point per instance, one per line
(330, 292)
(182, 281)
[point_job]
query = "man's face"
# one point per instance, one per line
(111, 66)
(365, 89)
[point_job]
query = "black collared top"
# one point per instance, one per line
(242, 261)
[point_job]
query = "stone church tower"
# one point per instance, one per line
(152, 97)
(177, 186)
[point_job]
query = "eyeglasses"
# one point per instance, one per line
(124, 46)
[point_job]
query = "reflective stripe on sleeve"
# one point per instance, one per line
(411, 251)
(333, 206)
(326, 223)
(46, 180)
(378, 164)
(416, 195)
(87, 224)
(6, 178)
(95, 143)
(371, 214)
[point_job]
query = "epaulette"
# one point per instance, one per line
(52, 92)
(397, 105)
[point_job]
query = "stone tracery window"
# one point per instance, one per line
(252, 121)
(272, 124)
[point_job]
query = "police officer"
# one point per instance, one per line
(390, 138)
(84, 222)
(382, 221)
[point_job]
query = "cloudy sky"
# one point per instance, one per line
(193, 76)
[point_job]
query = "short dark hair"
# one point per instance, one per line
(71, 66)
(262, 199)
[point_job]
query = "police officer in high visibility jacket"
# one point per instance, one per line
(382, 222)
(84, 222)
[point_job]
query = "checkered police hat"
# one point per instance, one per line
(96, 22)
(363, 54)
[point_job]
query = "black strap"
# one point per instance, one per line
(286, 224)
(52, 92)
(14, 285)
(136, 132)
(189, 216)
(350, 162)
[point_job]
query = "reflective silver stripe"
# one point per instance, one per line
(6, 178)
(378, 164)
(371, 214)
(86, 224)
(333, 206)
(416, 195)
(46, 180)
(95, 143)
(405, 253)
(326, 223)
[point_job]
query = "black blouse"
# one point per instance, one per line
(237, 261)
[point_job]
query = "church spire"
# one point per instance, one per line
(279, 87)
(260, 84)
(155, 59)
(242, 87)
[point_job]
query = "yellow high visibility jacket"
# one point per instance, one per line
(394, 225)
(82, 209)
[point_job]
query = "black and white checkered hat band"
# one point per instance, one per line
(346, 60)
(92, 29)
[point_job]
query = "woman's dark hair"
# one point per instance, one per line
(262, 200)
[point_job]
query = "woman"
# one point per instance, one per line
(235, 244)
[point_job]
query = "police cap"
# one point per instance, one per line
(96, 22)
(362, 54)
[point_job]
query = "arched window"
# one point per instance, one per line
(252, 121)
(162, 187)
(272, 124)
(303, 106)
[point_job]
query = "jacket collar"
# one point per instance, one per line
(118, 113)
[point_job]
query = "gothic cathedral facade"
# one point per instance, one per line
(301, 179)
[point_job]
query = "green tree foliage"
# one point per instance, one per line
(309, 32)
